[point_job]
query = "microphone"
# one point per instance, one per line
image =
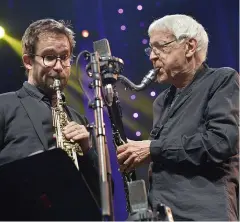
(110, 66)
(103, 48)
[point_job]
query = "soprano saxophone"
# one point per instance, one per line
(60, 120)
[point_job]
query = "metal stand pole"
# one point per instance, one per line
(104, 162)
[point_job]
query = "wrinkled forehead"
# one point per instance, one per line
(52, 41)
(160, 36)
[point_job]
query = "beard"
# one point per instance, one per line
(45, 83)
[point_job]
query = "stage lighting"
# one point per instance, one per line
(2, 32)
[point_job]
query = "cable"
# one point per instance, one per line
(86, 56)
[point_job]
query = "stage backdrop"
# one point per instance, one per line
(124, 23)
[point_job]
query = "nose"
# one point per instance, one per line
(58, 66)
(153, 56)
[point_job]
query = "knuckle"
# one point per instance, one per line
(134, 154)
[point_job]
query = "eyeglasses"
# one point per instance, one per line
(157, 49)
(51, 60)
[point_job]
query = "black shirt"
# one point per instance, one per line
(195, 150)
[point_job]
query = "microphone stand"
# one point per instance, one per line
(105, 71)
(103, 157)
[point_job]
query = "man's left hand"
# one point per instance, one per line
(133, 154)
(78, 133)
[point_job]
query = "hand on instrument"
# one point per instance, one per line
(133, 154)
(78, 133)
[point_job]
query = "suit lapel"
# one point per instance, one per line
(33, 112)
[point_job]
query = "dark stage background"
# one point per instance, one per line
(126, 30)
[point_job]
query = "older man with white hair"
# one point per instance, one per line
(193, 146)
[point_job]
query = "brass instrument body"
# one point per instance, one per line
(60, 120)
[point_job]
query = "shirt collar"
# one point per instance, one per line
(37, 93)
(34, 91)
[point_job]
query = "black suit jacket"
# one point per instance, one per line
(22, 135)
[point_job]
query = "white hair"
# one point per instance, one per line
(183, 26)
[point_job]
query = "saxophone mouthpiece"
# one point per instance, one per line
(56, 84)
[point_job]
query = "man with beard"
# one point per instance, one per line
(193, 146)
(26, 130)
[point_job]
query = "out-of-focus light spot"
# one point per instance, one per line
(120, 11)
(157, 4)
(133, 97)
(123, 27)
(138, 133)
(85, 33)
(139, 7)
(141, 24)
(144, 41)
(153, 93)
(2, 32)
(135, 115)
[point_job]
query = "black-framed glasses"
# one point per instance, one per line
(51, 60)
(157, 49)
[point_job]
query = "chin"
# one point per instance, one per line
(161, 79)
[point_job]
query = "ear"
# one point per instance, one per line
(191, 47)
(27, 61)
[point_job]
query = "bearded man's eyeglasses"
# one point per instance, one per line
(51, 60)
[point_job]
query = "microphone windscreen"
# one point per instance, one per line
(102, 47)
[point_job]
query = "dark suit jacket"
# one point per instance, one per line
(22, 135)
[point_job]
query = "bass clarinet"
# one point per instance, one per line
(115, 115)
